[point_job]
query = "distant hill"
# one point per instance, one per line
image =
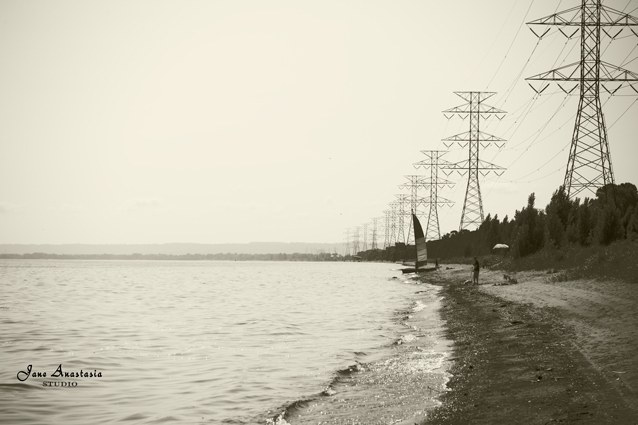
(175, 248)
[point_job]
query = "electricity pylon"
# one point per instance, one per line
(355, 241)
(401, 203)
(386, 228)
(414, 183)
(365, 237)
(589, 164)
(475, 108)
(374, 233)
(434, 162)
(347, 234)
(393, 222)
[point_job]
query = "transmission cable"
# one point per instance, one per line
(621, 115)
(493, 42)
(511, 44)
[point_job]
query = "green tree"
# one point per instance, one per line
(560, 205)
(608, 225)
(624, 196)
(586, 222)
(530, 226)
(632, 225)
(493, 233)
(571, 232)
(558, 213)
(555, 233)
(505, 229)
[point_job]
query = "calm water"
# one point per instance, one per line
(217, 342)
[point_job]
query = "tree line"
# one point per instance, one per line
(612, 215)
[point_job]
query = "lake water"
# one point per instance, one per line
(217, 342)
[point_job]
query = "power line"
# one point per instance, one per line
(494, 42)
(511, 44)
(621, 115)
(539, 133)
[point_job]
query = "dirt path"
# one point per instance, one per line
(539, 352)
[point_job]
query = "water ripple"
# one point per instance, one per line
(187, 342)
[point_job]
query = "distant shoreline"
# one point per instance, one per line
(173, 248)
(180, 257)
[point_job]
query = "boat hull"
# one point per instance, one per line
(420, 270)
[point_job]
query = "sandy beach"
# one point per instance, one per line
(540, 351)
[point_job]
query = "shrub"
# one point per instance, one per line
(609, 225)
(632, 225)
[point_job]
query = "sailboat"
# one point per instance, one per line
(421, 251)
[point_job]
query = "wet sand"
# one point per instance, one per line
(539, 351)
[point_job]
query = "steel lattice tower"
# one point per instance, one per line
(414, 183)
(589, 164)
(434, 162)
(402, 202)
(365, 237)
(386, 228)
(393, 222)
(347, 234)
(475, 108)
(374, 233)
(355, 241)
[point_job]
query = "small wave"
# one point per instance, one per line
(134, 417)
(406, 338)
(357, 367)
(278, 420)
(425, 361)
(17, 386)
(341, 375)
(290, 409)
(329, 391)
(165, 419)
(419, 306)
(287, 410)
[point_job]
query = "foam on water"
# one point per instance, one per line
(399, 386)
(419, 306)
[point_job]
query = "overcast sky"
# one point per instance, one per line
(266, 120)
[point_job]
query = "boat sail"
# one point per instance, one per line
(421, 251)
(419, 243)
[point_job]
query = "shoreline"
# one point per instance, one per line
(539, 351)
(397, 383)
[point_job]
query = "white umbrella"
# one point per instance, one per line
(500, 246)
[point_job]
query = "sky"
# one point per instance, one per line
(292, 121)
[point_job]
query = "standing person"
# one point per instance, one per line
(476, 272)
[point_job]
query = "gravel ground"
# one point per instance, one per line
(539, 351)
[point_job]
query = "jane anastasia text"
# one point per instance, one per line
(23, 375)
